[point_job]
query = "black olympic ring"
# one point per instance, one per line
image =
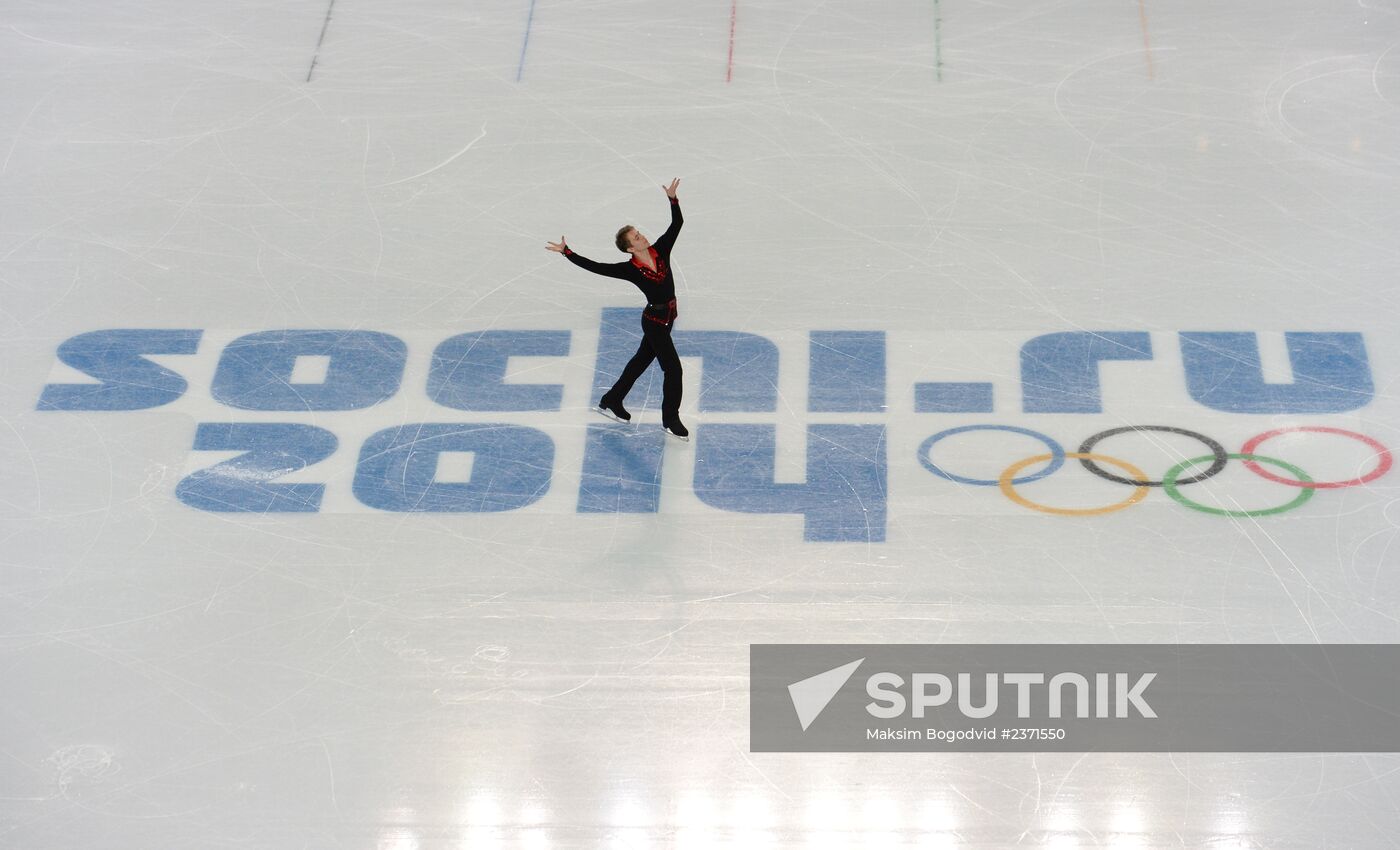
(1219, 456)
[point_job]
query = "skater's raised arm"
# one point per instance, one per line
(618, 270)
(668, 239)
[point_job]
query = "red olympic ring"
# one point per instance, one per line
(1382, 466)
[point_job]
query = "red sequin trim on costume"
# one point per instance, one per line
(659, 274)
(671, 314)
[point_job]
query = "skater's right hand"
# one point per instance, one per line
(557, 247)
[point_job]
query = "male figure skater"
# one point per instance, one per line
(650, 271)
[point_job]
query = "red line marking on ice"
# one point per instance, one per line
(733, 20)
(1146, 43)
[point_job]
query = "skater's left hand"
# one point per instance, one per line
(671, 190)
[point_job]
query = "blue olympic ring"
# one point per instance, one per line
(1057, 454)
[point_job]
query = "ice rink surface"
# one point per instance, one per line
(901, 218)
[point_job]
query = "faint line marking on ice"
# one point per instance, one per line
(324, 24)
(1376, 70)
(766, 778)
(733, 22)
(620, 155)
(180, 214)
(525, 45)
(1059, 110)
(938, 38)
(445, 162)
(19, 131)
(1146, 42)
(1282, 582)
(792, 32)
(70, 45)
(29, 456)
(330, 769)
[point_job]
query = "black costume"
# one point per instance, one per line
(659, 287)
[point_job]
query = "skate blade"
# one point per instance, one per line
(608, 414)
(676, 436)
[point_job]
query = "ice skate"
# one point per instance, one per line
(613, 410)
(676, 429)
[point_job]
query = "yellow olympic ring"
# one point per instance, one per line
(1009, 490)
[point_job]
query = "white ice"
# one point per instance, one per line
(963, 176)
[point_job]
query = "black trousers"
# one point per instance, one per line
(656, 345)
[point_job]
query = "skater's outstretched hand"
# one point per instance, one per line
(557, 247)
(671, 190)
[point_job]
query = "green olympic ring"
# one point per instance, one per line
(1170, 486)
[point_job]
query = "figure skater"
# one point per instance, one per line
(650, 270)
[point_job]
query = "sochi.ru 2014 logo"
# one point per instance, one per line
(843, 496)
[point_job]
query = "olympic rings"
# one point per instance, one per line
(1171, 482)
(1056, 456)
(1382, 465)
(1138, 495)
(1217, 452)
